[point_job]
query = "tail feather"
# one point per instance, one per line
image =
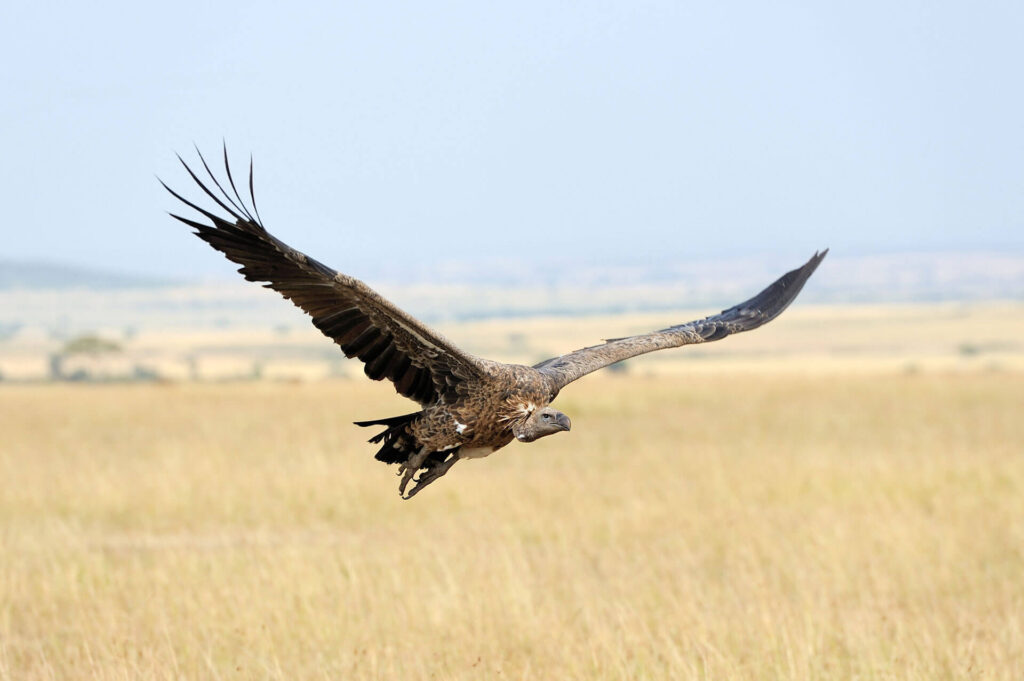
(398, 443)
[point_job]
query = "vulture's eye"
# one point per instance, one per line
(546, 417)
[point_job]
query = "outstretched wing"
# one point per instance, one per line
(761, 309)
(422, 364)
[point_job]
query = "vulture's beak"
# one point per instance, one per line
(563, 422)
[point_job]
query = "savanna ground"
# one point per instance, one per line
(790, 521)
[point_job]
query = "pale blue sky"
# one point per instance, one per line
(385, 133)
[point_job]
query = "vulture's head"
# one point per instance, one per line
(540, 422)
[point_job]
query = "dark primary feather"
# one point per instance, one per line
(392, 344)
(750, 314)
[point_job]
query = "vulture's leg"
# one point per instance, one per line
(429, 475)
(410, 467)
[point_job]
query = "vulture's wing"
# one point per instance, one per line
(761, 309)
(422, 364)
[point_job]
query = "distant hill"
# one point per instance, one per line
(21, 274)
(71, 299)
(889, 277)
(67, 298)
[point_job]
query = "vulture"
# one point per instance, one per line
(470, 407)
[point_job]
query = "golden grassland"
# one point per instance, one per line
(836, 338)
(721, 525)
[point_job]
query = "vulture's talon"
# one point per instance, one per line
(429, 475)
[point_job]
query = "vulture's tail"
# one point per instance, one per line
(398, 442)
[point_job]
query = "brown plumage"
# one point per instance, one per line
(471, 406)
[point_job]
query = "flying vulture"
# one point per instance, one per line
(470, 406)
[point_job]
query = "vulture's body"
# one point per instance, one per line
(470, 407)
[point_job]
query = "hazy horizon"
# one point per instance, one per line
(486, 267)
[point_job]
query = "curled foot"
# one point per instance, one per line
(427, 475)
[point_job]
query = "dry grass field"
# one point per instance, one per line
(836, 338)
(721, 525)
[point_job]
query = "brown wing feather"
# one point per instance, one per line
(422, 364)
(761, 309)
